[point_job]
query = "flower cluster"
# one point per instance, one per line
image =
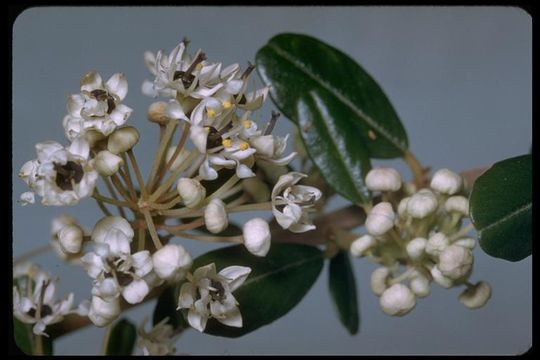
(422, 231)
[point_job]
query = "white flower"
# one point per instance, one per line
(458, 204)
(104, 311)
(455, 262)
(257, 236)
(123, 139)
(397, 300)
(361, 245)
(476, 296)
(446, 182)
(171, 262)
(39, 307)
(61, 176)
(107, 163)
(215, 216)
(27, 198)
(380, 219)
(208, 294)
(416, 248)
(422, 204)
(159, 340)
(436, 244)
(383, 179)
(379, 280)
(191, 191)
(98, 107)
(271, 148)
(291, 202)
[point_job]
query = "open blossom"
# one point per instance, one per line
(208, 294)
(37, 305)
(60, 175)
(98, 107)
(291, 202)
(159, 340)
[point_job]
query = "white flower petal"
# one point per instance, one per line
(236, 275)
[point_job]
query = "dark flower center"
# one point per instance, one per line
(102, 95)
(219, 293)
(214, 138)
(45, 311)
(66, 173)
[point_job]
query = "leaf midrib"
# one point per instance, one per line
(506, 218)
(284, 268)
(302, 67)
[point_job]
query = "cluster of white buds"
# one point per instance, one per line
(34, 299)
(421, 231)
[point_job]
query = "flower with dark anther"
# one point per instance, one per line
(208, 294)
(257, 236)
(171, 262)
(67, 237)
(60, 175)
(98, 107)
(159, 340)
(34, 302)
(383, 179)
(291, 202)
(475, 296)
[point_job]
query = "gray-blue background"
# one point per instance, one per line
(460, 78)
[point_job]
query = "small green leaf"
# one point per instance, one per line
(501, 208)
(122, 338)
(23, 336)
(275, 285)
(296, 65)
(343, 289)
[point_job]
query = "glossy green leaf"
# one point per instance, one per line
(166, 307)
(501, 208)
(23, 336)
(275, 285)
(298, 65)
(122, 338)
(343, 290)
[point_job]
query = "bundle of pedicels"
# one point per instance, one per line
(128, 255)
(421, 232)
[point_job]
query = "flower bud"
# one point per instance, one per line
(422, 204)
(436, 244)
(383, 179)
(256, 188)
(419, 284)
(397, 300)
(446, 182)
(103, 312)
(257, 236)
(402, 207)
(476, 296)
(409, 188)
(361, 245)
(440, 279)
(108, 223)
(123, 139)
(180, 158)
(416, 248)
(215, 216)
(157, 112)
(26, 198)
(171, 262)
(107, 163)
(455, 262)
(191, 191)
(380, 219)
(466, 242)
(135, 291)
(458, 204)
(93, 137)
(70, 238)
(379, 280)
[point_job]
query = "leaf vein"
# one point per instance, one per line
(288, 266)
(507, 217)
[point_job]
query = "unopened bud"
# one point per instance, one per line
(215, 216)
(455, 262)
(383, 179)
(416, 248)
(440, 279)
(171, 262)
(107, 163)
(380, 219)
(379, 280)
(123, 139)
(402, 207)
(70, 238)
(397, 300)
(458, 204)
(436, 244)
(103, 312)
(157, 112)
(446, 182)
(257, 236)
(419, 284)
(476, 296)
(422, 204)
(191, 191)
(361, 245)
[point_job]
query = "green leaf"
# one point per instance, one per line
(296, 65)
(343, 290)
(275, 285)
(122, 338)
(166, 307)
(501, 208)
(23, 336)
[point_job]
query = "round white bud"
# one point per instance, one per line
(402, 207)
(383, 179)
(108, 223)
(476, 296)
(455, 262)
(436, 244)
(215, 216)
(257, 236)
(466, 242)
(419, 283)
(379, 280)
(191, 191)
(157, 112)
(416, 248)
(361, 245)
(107, 163)
(380, 219)
(180, 158)
(446, 182)
(135, 291)
(422, 204)
(397, 300)
(440, 279)
(171, 262)
(103, 312)
(458, 204)
(122, 139)
(70, 238)
(256, 188)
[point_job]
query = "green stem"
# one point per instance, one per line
(224, 188)
(138, 174)
(163, 143)
(152, 228)
(251, 207)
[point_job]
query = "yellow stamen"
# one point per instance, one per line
(372, 135)
(247, 124)
(244, 146)
(227, 105)
(199, 66)
(227, 143)
(211, 113)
